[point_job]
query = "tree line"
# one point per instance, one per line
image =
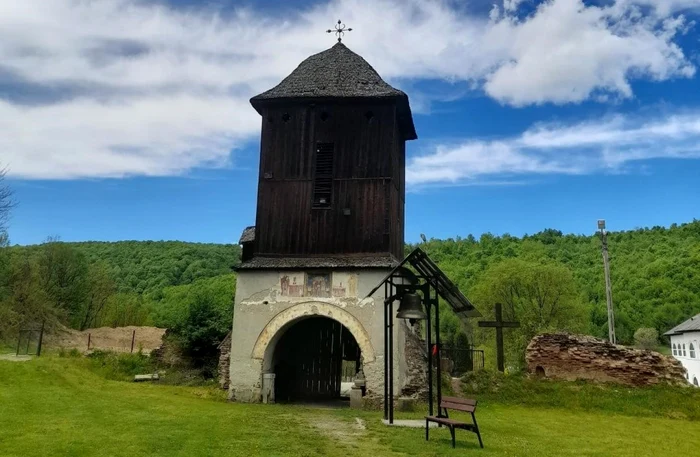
(550, 281)
(547, 281)
(84, 285)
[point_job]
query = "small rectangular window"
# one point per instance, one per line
(323, 175)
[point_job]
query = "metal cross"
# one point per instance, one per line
(499, 324)
(339, 30)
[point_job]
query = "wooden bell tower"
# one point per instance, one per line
(332, 165)
(329, 226)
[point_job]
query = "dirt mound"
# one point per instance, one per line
(107, 339)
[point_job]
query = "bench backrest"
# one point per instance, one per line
(458, 404)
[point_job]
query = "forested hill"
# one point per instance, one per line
(655, 272)
(185, 287)
(147, 267)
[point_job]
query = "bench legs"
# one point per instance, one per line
(452, 432)
(476, 427)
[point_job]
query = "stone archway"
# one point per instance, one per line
(264, 346)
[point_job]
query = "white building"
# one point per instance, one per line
(685, 346)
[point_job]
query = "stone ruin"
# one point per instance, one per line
(572, 357)
(225, 362)
(416, 368)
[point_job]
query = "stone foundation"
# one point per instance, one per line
(571, 357)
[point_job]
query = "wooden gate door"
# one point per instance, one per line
(309, 360)
(321, 360)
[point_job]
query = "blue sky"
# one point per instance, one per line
(126, 119)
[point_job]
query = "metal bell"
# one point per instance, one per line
(411, 307)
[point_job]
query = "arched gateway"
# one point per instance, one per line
(309, 344)
(312, 348)
(278, 325)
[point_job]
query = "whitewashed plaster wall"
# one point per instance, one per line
(691, 362)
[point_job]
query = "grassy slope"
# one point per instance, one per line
(518, 390)
(57, 407)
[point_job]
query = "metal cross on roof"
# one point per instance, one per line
(339, 30)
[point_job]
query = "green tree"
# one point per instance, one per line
(7, 315)
(64, 277)
(646, 338)
(100, 288)
(123, 309)
(27, 303)
(542, 296)
(6, 202)
(199, 315)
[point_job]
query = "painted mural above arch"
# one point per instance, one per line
(318, 284)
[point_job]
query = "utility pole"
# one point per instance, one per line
(608, 286)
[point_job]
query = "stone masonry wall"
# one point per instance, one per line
(225, 362)
(571, 357)
(416, 367)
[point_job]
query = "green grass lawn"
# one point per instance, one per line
(59, 407)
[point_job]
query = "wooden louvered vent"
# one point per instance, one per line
(323, 177)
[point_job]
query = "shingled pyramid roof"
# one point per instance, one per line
(337, 73)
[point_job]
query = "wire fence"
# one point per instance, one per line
(125, 344)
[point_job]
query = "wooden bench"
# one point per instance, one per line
(457, 404)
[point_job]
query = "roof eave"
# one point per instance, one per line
(681, 332)
(406, 116)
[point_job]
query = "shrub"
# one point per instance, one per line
(121, 367)
(198, 317)
(646, 338)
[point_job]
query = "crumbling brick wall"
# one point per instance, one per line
(571, 357)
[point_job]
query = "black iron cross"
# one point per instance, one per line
(499, 324)
(339, 30)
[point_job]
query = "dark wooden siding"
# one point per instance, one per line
(367, 181)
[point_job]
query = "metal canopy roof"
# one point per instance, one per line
(427, 269)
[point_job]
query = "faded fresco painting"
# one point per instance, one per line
(318, 285)
(292, 284)
(344, 285)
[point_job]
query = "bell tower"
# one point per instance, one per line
(329, 226)
(332, 159)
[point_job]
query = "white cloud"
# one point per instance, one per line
(152, 136)
(567, 52)
(664, 7)
(147, 89)
(610, 145)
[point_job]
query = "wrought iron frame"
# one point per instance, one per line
(433, 280)
(393, 292)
